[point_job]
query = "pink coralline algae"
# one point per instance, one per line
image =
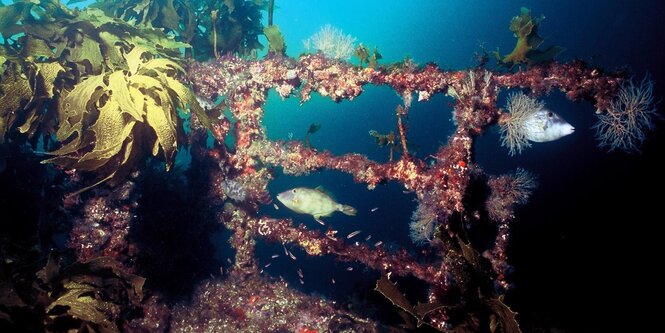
(103, 228)
(257, 304)
(441, 188)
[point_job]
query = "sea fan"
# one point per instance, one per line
(423, 223)
(513, 130)
(333, 42)
(630, 116)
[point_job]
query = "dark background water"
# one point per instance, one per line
(585, 246)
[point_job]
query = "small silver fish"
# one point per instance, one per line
(353, 234)
(315, 202)
(374, 209)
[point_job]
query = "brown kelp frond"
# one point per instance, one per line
(111, 88)
(95, 296)
(236, 24)
(526, 50)
(108, 118)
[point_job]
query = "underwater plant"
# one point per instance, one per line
(236, 23)
(525, 28)
(110, 88)
(364, 56)
(276, 43)
(133, 109)
(87, 296)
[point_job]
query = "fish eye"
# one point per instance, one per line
(294, 190)
(550, 114)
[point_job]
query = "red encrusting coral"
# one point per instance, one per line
(577, 80)
(238, 176)
(441, 186)
(103, 228)
(258, 304)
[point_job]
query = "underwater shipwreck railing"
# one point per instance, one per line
(440, 188)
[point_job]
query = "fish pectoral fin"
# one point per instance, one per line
(324, 191)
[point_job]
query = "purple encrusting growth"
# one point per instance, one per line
(239, 301)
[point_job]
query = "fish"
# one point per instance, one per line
(313, 128)
(316, 202)
(545, 125)
(353, 234)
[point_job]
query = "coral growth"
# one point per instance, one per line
(440, 188)
(332, 42)
(624, 124)
(103, 228)
(507, 191)
(423, 222)
(513, 131)
(258, 304)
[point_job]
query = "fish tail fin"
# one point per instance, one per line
(348, 210)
